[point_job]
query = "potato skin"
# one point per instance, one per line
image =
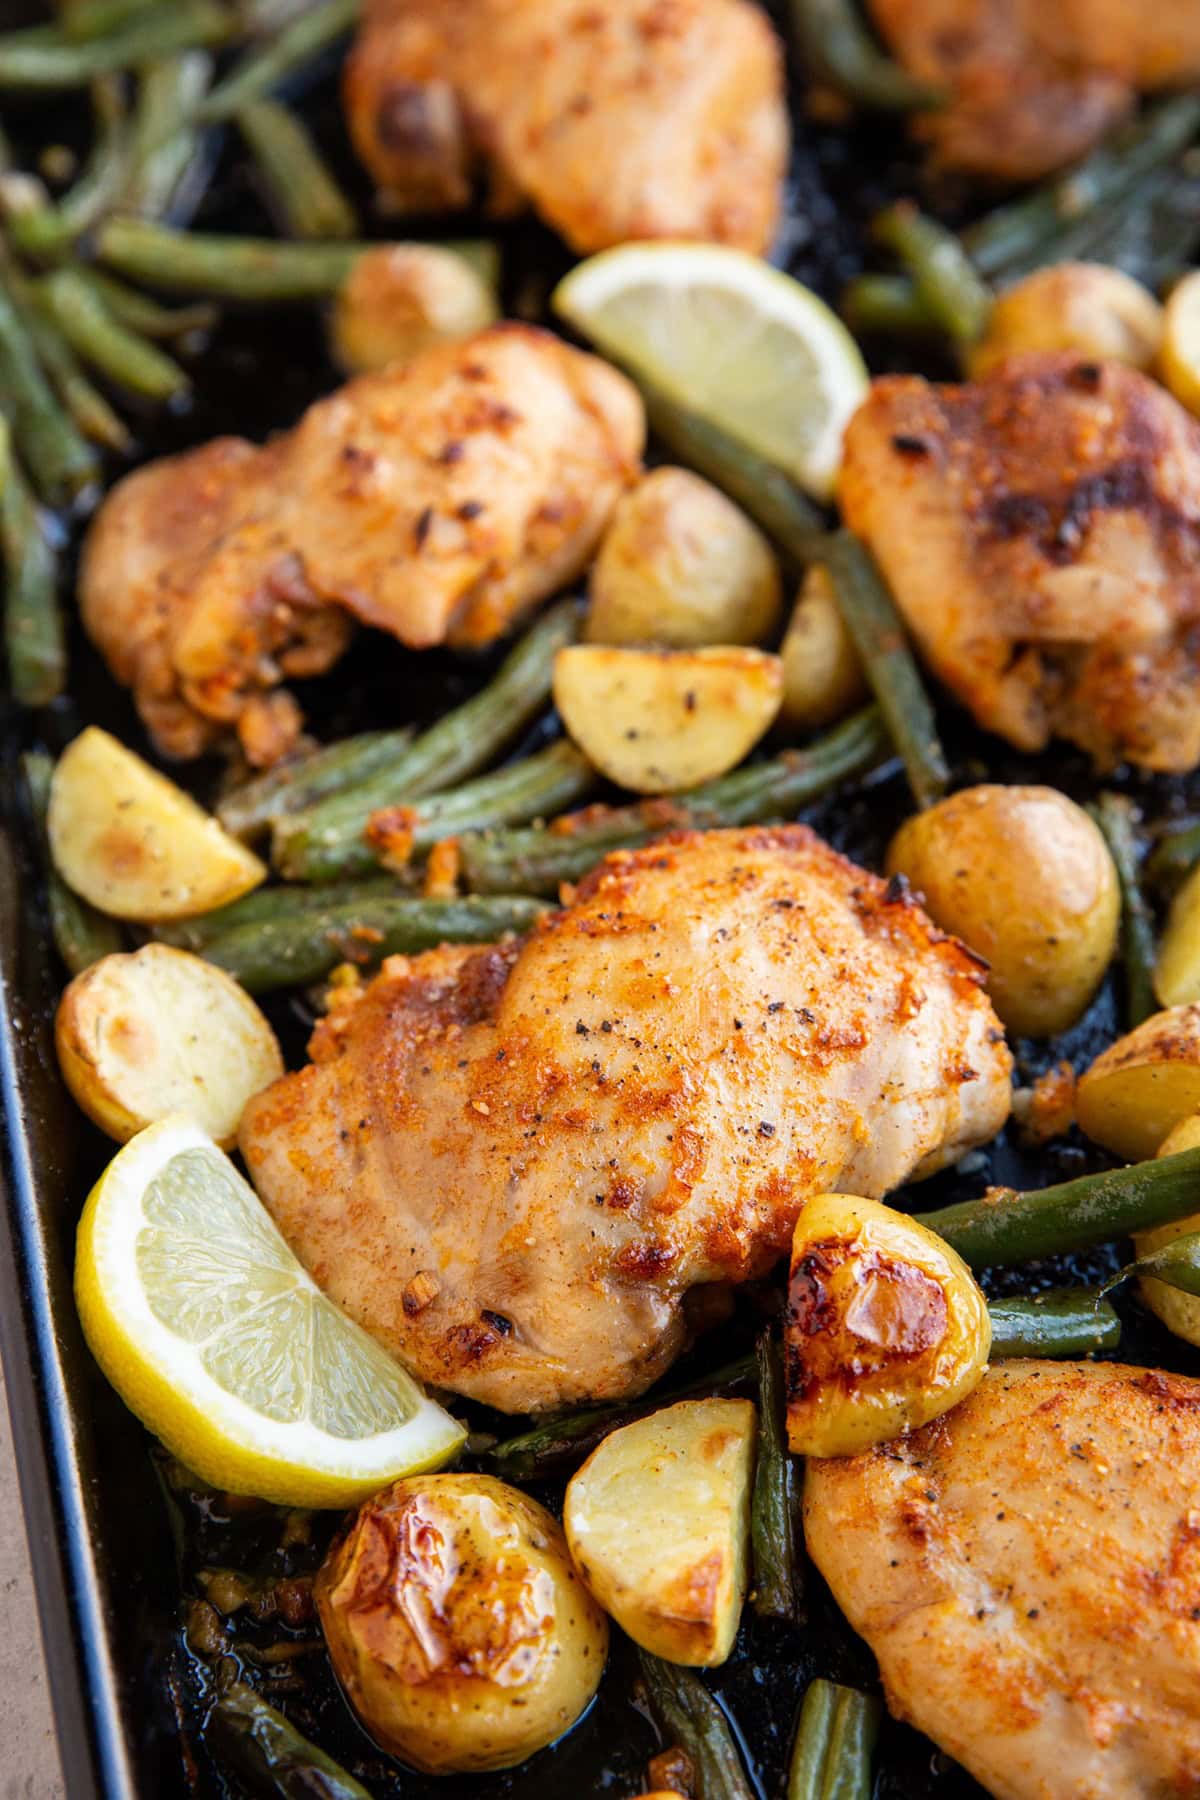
(822, 676)
(1025, 879)
(399, 299)
(885, 1327)
(457, 1625)
(681, 565)
(1179, 1312)
(1089, 307)
(1144, 1085)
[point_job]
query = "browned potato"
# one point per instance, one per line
(1142, 1086)
(1024, 878)
(1177, 970)
(681, 565)
(1178, 1311)
(658, 721)
(401, 298)
(822, 676)
(658, 1522)
(886, 1327)
(1089, 307)
(161, 1031)
(457, 1625)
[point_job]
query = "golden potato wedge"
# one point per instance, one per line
(822, 676)
(133, 843)
(1023, 876)
(658, 1523)
(1142, 1086)
(1089, 307)
(162, 1031)
(658, 721)
(1177, 970)
(681, 565)
(886, 1327)
(1178, 1311)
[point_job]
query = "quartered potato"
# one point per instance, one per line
(1178, 1311)
(1025, 879)
(457, 1625)
(399, 299)
(681, 565)
(822, 676)
(1177, 970)
(160, 1031)
(133, 843)
(1142, 1086)
(658, 1522)
(886, 1327)
(1089, 307)
(657, 721)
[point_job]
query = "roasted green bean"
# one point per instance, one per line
(691, 1718)
(773, 1506)
(34, 635)
(835, 1738)
(1114, 814)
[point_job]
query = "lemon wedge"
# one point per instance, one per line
(1179, 355)
(217, 1338)
(732, 338)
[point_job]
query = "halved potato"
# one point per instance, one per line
(658, 1523)
(822, 675)
(1177, 971)
(1178, 1311)
(399, 299)
(133, 843)
(158, 1032)
(1142, 1086)
(657, 721)
(1091, 308)
(886, 1327)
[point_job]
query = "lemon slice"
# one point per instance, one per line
(733, 339)
(1179, 357)
(213, 1334)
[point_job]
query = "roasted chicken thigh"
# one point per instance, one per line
(438, 501)
(1027, 1571)
(616, 119)
(512, 1164)
(1040, 529)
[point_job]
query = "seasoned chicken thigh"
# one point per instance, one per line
(1033, 83)
(616, 119)
(1040, 529)
(1027, 1571)
(512, 1164)
(438, 501)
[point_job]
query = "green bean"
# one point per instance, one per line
(301, 781)
(84, 20)
(840, 52)
(298, 181)
(118, 353)
(53, 61)
(34, 637)
(291, 952)
(1114, 814)
(81, 934)
(86, 405)
(59, 458)
(268, 905)
(1008, 1226)
(539, 859)
(1177, 1264)
(1173, 858)
(149, 318)
(888, 304)
(46, 232)
(1060, 1322)
(533, 788)
(888, 663)
(835, 1737)
(560, 1445)
(265, 1750)
(944, 277)
(261, 71)
(772, 1511)
(691, 1718)
(165, 142)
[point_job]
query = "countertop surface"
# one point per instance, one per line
(29, 1767)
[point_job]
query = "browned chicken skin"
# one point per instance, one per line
(512, 1164)
(616, 119)
(1040, 529)
(1032, 84)
(1027, 1571)
(438, 501)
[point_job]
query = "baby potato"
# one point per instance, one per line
(658, 1522)
(399, 299)
(1142, 1086)
(657, 721)
(1099, 311)
(681, 565)
(885, 1327)
(158, 1032)
(1025, 879)
(133, 843)
(457, 1625)
(822, 676)
(1177, 969)
(1178, 1311)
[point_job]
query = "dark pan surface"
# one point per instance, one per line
(115, 1560)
